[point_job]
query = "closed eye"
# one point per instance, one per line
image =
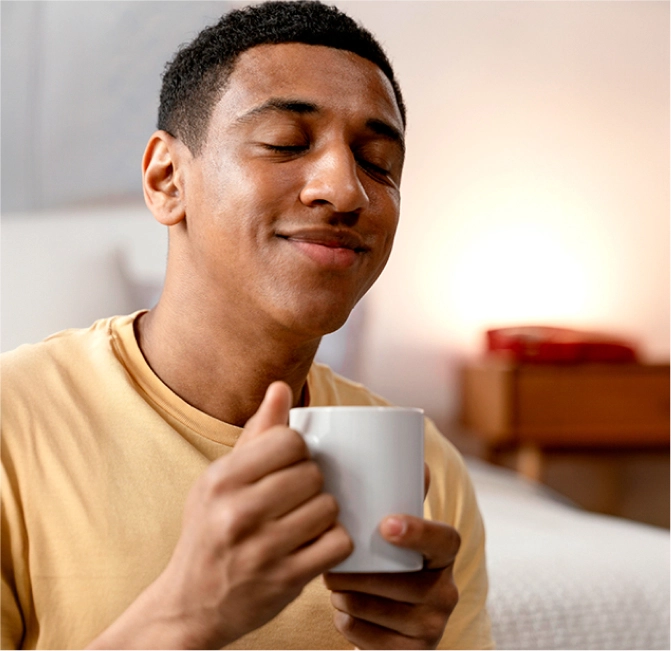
(376, 171)
(378, 159)
(291, 149)
(374, 168)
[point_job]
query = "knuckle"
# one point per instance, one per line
(337, 545)
(451, 595)
(456, 540)
(210, 481)
(216, 479)
(447, 596)
(434, 625)
(314, 479)
(295, 444)
(340, 601)
(330, 507)
(235, 521)
(344, 623)
(345, 544)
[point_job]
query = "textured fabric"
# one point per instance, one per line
(564, 578)
(98, 456)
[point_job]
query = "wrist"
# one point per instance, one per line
(155, 620)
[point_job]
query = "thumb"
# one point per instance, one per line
(274, 410)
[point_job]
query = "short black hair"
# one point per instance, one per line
(193, 80)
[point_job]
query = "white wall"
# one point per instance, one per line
(80, 86)
(66, 269)
(537, 179)
(536, 188)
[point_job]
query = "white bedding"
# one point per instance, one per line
(564, 578)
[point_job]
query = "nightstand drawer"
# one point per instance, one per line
(580, 405)
(591, 405)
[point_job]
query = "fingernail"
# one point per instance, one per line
(395, 527)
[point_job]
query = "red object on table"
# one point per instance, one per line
(548, 345)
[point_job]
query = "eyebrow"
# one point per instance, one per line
(385, 129)
(301, 107)
(280, 105)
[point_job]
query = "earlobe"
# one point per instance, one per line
(162, 179)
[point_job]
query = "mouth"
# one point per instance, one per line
(333, 249)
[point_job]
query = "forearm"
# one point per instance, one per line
(154, 621)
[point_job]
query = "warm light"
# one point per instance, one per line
(520, 272)
(514, 261)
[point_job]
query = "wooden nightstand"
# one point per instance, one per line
(533, 409)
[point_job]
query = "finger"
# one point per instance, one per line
(328, 550)
(365, 635)
(274, 410)
(396, 616)
(304, 524)
(286, 489)
(437, 542)
(407, 587)
(427, 479)
(280, 447)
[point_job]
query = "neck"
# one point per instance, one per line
(218, 365)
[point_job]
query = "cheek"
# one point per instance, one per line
(385, 225)
(262, 191)
(385, 208)
(234, 201)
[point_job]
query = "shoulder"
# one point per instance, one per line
(55, 346)
(53, 356)
(41, 378)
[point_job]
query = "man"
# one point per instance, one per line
(276, 168)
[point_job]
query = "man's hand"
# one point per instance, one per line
(404, 610)
(257, 528)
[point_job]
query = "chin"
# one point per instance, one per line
(317, 318)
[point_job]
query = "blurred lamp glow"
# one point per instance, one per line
(515, 261)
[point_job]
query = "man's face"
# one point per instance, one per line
(293, 202)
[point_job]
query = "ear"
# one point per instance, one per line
(162, 178)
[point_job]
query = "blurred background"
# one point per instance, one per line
(536, 192)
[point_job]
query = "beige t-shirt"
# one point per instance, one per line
(98, 456)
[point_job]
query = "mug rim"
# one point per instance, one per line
(359, 408)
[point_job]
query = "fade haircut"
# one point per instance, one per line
(196, 76)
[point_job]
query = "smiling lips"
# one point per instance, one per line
(329, 248)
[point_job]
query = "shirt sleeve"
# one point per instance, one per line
(13, 548)
(452, 499)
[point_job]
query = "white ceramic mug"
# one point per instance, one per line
(372, 459)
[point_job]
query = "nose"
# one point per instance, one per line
(333, 179)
